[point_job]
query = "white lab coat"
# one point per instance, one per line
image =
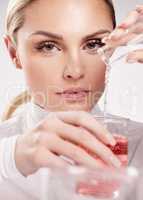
(13, 186)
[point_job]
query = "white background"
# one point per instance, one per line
(12, 80)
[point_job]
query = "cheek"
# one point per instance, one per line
(41, 71)
(95, 72)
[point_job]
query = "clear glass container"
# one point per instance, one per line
(75, 183)
(126, 97)
(125, 130)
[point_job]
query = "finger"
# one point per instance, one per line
(88, 141)
(139, 8)
(45, 158)
(87, 121)
(135, 56)
(120, 41)
(128, 23)
(137, 28)
(80, 156)
(130, 20)
(119, 33)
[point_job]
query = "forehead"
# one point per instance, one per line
(68, 16)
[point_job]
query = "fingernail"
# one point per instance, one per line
(116, 162)
(123, 25)
(111, 140)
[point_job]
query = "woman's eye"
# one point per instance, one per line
(48, 47)
(93, 45)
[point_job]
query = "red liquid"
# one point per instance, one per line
(121, 149)
(106, 189)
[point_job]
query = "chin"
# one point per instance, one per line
(70, 107)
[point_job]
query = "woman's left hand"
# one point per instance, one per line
(130, 28)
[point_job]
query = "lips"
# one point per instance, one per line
(74, 93)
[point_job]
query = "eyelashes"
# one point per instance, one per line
(94, 44)
(91, 45)
(47, 46)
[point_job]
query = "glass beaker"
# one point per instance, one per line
(127, 133)
(127, 101)
(76, 183)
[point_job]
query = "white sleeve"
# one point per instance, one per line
(7, 158)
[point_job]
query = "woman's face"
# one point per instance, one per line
(56, 48)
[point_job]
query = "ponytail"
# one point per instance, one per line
(23, 98)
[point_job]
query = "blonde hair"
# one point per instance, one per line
(14, 21)
(24, 97)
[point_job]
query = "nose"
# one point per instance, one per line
(74, 69)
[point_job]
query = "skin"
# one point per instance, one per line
(129, 29)
(47, 72)
(72, 64)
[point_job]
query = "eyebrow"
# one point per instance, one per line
(48, 34)
(100, 32)
(60, 37)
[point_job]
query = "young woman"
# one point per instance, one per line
(55, 43)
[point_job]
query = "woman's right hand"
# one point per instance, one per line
(131, 28)
(67, 134)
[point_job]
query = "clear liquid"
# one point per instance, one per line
(107, 80)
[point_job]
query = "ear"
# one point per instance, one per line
(11, 47)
